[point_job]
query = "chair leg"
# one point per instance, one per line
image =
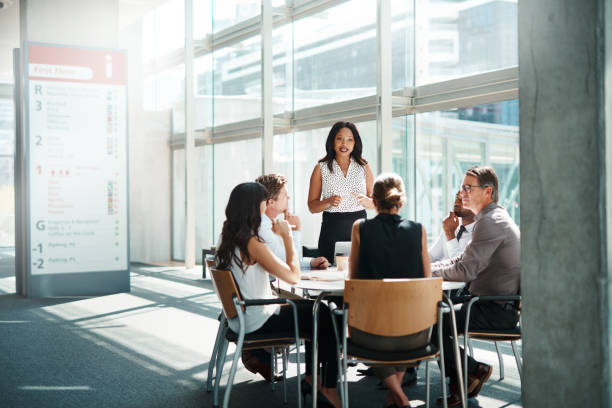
(213, 357)
(220, 363)
(285, 360)
(501, 362)
(519, 365)
(273, 367)
(232, 374)
(427, 384)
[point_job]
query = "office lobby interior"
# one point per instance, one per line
(213, 93)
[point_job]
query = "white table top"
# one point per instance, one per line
(332, 280)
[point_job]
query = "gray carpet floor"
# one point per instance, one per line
(151, 347)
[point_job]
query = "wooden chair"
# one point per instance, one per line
(495, 335)
(233, 308)
(392, 307)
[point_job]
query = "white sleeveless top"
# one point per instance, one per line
(254, 283)
(334, 183)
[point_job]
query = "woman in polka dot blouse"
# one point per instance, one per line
(340, 186)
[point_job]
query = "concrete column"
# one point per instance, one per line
(564, 219)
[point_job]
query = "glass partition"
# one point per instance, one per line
(237, 82)
(459, 38)
(234, 163)
(450, 142)
(335, 54)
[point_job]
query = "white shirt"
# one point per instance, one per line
(335, 183)
(444, 249)
(253, 283)
(276, 244)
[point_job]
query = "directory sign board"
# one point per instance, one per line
(76, 160)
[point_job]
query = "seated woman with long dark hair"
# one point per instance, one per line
(242, 251)
(388, 246)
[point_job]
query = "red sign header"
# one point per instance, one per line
(65, 64)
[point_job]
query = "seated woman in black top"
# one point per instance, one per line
(387, 246)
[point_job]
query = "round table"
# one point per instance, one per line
(330, 282)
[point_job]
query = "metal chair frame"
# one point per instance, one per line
(222, 341)
(444, 306)
(491, 335)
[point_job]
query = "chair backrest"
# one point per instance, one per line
(210, 263)
(225, 287)
(393, 307)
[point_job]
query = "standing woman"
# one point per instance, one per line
(244, 252)
(340, 186)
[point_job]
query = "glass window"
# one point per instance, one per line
(7, 127)
(202, 20)
(169, 27)
(335, 54)
(237, 82)
(204, 200)
(402, 33)
(282, 75)
(7, 179)
(178, 204)
(459, 38)
(235, 162)
(403, 159)
(450, 142)
(163, 30)
(165, 90)
(203, 91)
(229, 12)
(282, 162)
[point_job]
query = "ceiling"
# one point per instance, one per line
(130, 11)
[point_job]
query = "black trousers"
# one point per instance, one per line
(283, 322)
(336, 227)
(484, 315)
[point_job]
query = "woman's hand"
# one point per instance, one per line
(281, 228)
(365, 201)
(334, 200)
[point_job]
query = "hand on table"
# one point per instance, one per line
(319, 263)
(449, 225)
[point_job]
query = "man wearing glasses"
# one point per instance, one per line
(491, 264)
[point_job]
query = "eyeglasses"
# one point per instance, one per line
(468, 187)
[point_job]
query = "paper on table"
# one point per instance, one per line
(323, 275)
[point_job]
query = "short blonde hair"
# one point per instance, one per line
(273, 183)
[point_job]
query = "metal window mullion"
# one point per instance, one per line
(383, 86)
(189, 140)
(266, 86)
